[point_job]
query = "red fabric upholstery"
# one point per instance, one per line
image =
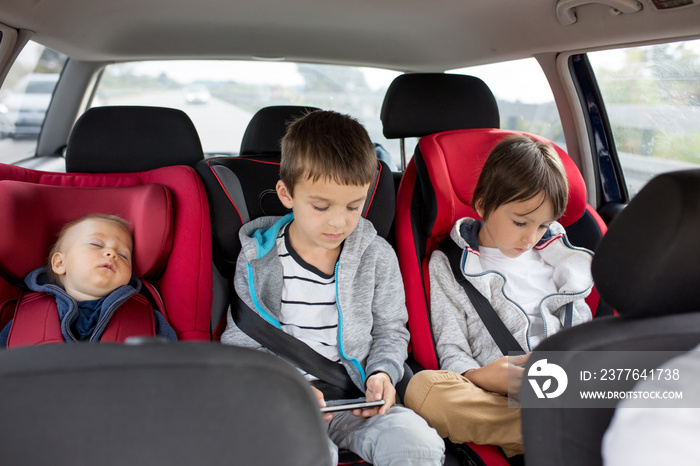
(135, 317)
(185, 283)
(429, 201)
(454, 160)
(407, 231)
(36, 213)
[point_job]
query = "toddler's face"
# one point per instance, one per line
(95, 259)
(518, 226)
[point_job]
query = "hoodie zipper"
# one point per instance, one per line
(107, 316)
(353, 361)
(74, 309)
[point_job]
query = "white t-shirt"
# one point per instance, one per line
(308, 311)
(529, 279)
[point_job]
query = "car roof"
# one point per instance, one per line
(406, 35)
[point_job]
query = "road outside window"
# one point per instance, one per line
(221, 96)
(652, 97)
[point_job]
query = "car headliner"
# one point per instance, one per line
(406, 35)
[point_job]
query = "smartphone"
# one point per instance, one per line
(351, 406)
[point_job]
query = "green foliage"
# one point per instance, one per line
(662, 82)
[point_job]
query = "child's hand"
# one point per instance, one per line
(321, 403)
(379, 387)
(515, 373)
(494, 377)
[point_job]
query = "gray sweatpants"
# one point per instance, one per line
(400, 437)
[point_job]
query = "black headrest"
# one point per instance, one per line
(132, 139)
(267, 127)
(419, 104)
(648, 263)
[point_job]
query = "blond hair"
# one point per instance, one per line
(58, 245)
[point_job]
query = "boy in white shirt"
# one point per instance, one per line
(520, 259)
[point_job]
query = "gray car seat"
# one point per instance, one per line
(156, 404)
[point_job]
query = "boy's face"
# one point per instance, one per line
(518, 226)
(325, 213)
(94, 260)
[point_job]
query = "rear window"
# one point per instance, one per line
(525, 100)
(221, 96)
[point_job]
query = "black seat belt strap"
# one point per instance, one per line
(288, 347)
(499, 332)
(569, 315)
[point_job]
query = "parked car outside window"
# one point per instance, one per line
(27, 103)
(24, 98)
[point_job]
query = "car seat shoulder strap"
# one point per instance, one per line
(156, 298)
(35, 321)
(134, 318)
(505, 341)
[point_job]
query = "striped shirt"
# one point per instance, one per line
(308, 310)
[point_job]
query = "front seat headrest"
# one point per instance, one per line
(419, 104)
(132, 139)
(648, 263)
(267, 128)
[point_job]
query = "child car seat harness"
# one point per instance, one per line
(499, 332)
(134, 317)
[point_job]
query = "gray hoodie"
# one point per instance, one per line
(372, 334)
(462, 340)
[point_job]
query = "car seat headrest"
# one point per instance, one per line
(416, 105)
(132, 139)
(33, 215)
(267, 128)
(647, 263)
(454, 160)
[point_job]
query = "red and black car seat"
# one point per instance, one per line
(243, 188)
(112, 157)
(456, 118)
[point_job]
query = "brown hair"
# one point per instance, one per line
(329, 145)
(518, 169)
(58, 245)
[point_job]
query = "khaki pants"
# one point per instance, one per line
(463, 412)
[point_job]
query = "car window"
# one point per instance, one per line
(652, 99)
(525, 100)
(24, 98)
(40, 87)
(221, 96)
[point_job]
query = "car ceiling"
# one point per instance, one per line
(407, 35)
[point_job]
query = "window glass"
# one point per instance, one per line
(652, 98)
(221, 96)
(24, 99)
(525, 100)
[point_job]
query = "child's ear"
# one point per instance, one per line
(57, 264)
(479, 209)
(284, 195)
